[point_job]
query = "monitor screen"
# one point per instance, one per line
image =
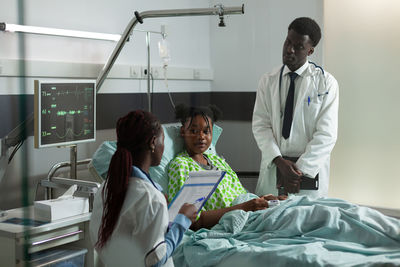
(64, 112)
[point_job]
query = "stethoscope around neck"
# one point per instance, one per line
(320, 71)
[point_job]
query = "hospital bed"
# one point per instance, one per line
(298, 232)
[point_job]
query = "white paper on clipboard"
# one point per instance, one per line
(197, 189)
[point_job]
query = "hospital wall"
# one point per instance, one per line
(230, 61)
(50, 57)
(362, 40)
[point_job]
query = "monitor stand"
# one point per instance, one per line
(72, 158)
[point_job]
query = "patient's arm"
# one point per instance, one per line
(211, 217)
(272, 197)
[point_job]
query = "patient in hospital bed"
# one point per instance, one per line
(299, 232)
(196, 130)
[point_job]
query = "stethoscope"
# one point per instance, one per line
(318, 70)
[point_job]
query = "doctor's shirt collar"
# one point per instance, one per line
(299, 71)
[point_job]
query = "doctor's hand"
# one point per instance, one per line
(189, 210)
(287, 167)
(291, 185)
(290, 175)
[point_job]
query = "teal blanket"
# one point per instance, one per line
(299, 232)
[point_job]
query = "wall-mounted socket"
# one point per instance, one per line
(135, 72)
(155, 71)
(143, 72)
(196, 74)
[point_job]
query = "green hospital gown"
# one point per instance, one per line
(229, 188)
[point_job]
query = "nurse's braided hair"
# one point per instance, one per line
(134, 132)
(183, 113)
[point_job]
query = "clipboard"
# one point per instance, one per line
(198, 188)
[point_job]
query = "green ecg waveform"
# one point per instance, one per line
(68, 131)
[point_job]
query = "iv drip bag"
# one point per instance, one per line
(163, 50)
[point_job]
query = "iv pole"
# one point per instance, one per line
(219, 10)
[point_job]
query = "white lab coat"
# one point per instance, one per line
(314, 128)
(142, 225)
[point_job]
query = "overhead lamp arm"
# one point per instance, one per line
(139, 17)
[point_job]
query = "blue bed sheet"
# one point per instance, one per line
(299, 232)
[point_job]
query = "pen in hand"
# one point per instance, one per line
(199, 200)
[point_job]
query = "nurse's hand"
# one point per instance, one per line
(190, 211)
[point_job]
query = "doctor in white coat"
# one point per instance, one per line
(130, 225)
(309, 131)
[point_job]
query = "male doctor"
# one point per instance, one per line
(296, 115)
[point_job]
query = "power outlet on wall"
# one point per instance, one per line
(143, 72)
(135, 72)
(155, 71)
(196, 74)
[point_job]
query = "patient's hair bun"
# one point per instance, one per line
(183, 112)
(217, 113)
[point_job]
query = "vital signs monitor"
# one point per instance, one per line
(64, 112)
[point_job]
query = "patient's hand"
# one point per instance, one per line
(269, 197)
(272, 197)
(282, 197)
(255, 204)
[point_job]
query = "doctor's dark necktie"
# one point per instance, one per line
(287, 119)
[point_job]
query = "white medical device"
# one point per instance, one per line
(273, 203)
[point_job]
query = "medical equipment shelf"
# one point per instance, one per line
(72, 231)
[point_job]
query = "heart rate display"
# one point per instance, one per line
(64, 113)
